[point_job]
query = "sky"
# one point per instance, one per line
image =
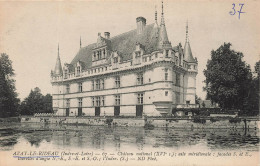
(30, 31)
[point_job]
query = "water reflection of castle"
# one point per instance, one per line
(120, 138)
(132, 74)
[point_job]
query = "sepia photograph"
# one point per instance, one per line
(131, 82)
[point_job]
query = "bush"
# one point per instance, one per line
(235, 120)
(199, 120)
(213, 119)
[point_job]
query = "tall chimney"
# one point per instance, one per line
(107, 35)
(140, 22)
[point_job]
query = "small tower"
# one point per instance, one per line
(58, 68)
(192, 71)
(187, 49)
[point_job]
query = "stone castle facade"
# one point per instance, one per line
(133, 74)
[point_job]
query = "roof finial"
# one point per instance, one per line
(162, 19)
(58, 49)
(155, 13)
(80, 42)
(187, 30)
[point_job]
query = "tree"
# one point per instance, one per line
(8, 96)
(197, 99)
(36, 103)
(228, 78)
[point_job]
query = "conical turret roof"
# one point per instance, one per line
(58, 68)
(187, 49)
(187, 53)
(163, 37)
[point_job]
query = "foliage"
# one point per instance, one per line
(36, 103)
(203, 104)
(197, 99)
(235, 120)
(213, 119)
(228, 79)
(8, 96)
(199, 120)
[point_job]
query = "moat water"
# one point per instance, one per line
(62, 137)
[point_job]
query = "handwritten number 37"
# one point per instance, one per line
(234, 10)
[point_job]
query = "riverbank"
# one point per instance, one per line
(152, 122)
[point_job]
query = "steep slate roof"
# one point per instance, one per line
(187, 53)
(124, 43)
(58, 68)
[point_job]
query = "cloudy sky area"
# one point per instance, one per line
(31, 31)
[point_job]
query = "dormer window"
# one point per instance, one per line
(104, 53)
(167, 53)
(137, 54)
(115, 59)
(78, 70)
(94, 58)
(65, 73)
(97, 55)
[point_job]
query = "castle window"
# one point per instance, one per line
(167, 53)
(106, 68)
(140, 79)
(67, 88)
(117, 81)
(150, 58)
(97, 84)
(93, 85)
(140, 98)
(68, 103)
(80, 87)
(94, 58)
(117, 99)
(98, 101)
(78, 70)
(103, 101)
(98, 69)
(104, 53)
(102, 84)
(65, 73)
(166, 93)
(178, 79)
(156, 55)
(166, 75)
(115, 59)
(80, 102)
(93, 101)
(97, 55)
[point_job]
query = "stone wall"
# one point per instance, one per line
(150, 122)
